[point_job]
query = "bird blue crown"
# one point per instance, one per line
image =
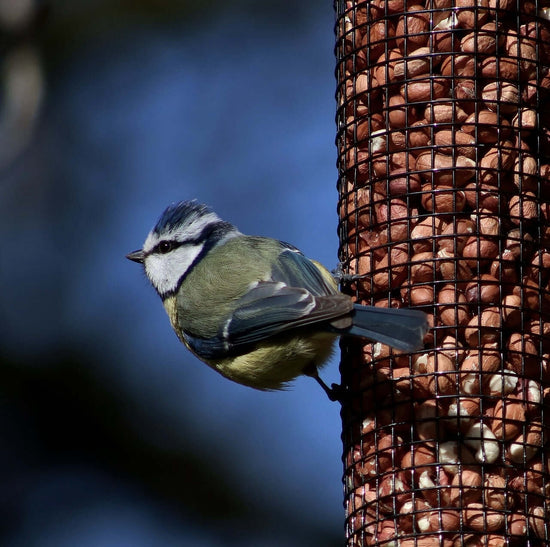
(177, 213)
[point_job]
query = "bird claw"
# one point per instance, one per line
(335, 392)
(344, 278)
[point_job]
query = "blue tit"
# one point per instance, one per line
(253, 308)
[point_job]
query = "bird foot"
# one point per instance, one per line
(344, 278)
(335, 392)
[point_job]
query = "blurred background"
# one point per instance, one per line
(111, 433)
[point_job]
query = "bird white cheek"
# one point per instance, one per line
(165, 270)
(156, 272)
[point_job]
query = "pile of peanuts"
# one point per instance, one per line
(444, 144)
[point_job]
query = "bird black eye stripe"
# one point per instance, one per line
(167, 245)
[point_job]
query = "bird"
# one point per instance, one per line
(256, 309)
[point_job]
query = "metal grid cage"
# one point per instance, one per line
(444, 204)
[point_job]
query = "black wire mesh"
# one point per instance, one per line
(444, 184)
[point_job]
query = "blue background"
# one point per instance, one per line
(112, 433)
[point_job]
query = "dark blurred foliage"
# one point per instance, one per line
(110, 433)
(58, 415)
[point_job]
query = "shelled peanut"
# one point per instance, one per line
(457, 471)
(444, 150)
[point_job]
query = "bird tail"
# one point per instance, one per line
(399, 328)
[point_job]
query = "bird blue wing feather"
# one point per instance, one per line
(271, 308)
(266, 310)
(296, 270)
(206, 348)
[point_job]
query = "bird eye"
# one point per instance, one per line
(165, 247)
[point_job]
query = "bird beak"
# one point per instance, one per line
(136, 256)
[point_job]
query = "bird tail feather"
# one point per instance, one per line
(399, 328)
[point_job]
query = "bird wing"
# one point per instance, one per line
(296, 270)
(272, 307)
(265, 311)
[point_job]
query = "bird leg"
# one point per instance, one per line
(335, 392)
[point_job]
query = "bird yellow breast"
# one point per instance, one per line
(274, 363)
(170, 305)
